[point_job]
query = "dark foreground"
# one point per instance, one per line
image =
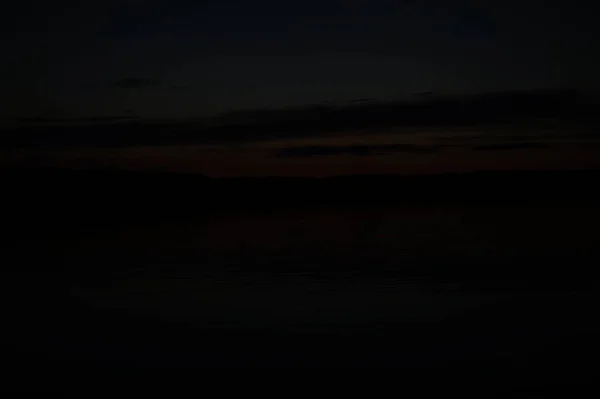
(104, 269)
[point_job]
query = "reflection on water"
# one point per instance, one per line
(326, 265)
(354, 231)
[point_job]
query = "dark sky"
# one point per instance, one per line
(191, 58)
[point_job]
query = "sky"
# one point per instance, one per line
(188, 59)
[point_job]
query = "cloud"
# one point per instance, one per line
(424, 94)
(39, 120)
(362, 100)
(355, 150)
(137, 83)
(462, 139)
(512, 146)
(107, 118)
(447, 117)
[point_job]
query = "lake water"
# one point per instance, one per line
(322, 266)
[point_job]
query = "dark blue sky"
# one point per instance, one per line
(66, 59)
